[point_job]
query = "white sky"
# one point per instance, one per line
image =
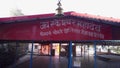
(108, 8)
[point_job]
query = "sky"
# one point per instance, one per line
(106, 8)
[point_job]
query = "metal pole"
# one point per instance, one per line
(84, 51)
(81, 50)
(95, 56)
(88, 53)
(31, 56)
(59, 51)
(33, 35)
(50, 65)
(70, 55)
(16, 56)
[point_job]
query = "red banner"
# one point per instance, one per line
(56, 29)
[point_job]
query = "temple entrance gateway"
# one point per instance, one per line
(70, 40)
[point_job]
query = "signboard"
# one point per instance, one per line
(56, 29)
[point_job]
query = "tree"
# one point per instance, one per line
(16, 12)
